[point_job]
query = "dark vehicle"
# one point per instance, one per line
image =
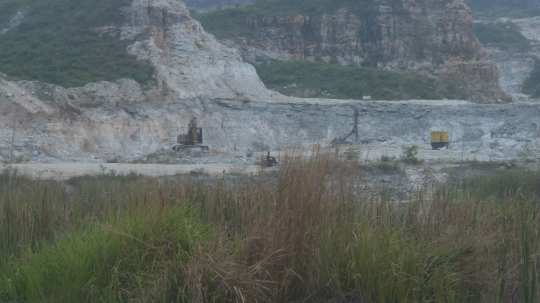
(193, 138)
(269, 161)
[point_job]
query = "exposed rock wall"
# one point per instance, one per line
(431, 38)
(188, 61)
(45, 130)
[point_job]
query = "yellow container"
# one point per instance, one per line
(440, 139)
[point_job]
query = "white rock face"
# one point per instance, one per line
(188, 60)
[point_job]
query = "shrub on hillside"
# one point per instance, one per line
(319, 79)
(501, 35)
(56, 43)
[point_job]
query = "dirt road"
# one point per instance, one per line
(62, 171)
(367, 153)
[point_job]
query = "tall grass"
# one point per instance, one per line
(310, 236)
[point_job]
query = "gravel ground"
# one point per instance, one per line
(232, 164)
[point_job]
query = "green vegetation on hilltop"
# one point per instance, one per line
(502, 35)
(532, 84)
(310, 236)
(318, 79)
(228, 23)
(315, 7)
(8, 8)
(491, 9)
(56, 43)
(231, 22)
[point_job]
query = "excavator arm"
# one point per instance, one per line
(344, 137)
(347, 135)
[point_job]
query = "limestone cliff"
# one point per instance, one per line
(188, 61)
(431, 38)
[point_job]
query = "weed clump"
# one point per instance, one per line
(408, 155)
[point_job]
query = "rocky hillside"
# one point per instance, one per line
(432, 38)
(196, 76)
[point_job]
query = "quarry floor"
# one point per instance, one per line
(366, 154)
(371, 176)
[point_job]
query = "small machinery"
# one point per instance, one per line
(193, 138)
(440, 139)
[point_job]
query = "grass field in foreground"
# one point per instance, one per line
(309, 237)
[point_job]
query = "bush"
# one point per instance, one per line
(409, 154)
(351, 154)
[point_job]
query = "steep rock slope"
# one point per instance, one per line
(189, 61)
(431, 38)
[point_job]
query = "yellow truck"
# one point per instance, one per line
(439, 139)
